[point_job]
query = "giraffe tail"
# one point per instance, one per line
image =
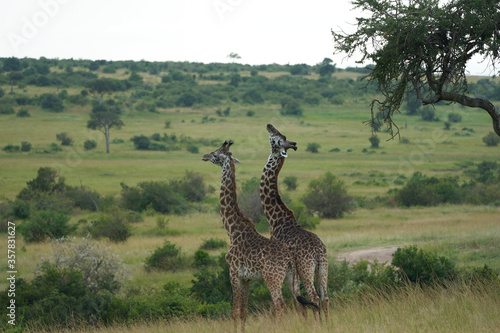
(307, 303)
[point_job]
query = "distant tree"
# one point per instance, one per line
(13, 78)
(103, 86)
(51, 102)
(326, 68)
(423, 46)
(103, 118)
(12, 64)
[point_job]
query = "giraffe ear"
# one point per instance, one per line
(236, 160)
(283, 153)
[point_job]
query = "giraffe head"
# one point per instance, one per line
(279, 143)
(220, 155)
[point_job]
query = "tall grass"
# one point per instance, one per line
(457, 307)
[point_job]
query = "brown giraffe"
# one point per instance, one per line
(308, 251)
(251, 256)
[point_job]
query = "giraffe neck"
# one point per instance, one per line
(233, 219)
(275, 209)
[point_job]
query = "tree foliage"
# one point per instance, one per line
(422, 47)
(104, 118)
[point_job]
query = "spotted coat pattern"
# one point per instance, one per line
(307, 249)
(251, 256)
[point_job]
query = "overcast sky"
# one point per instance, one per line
(260, 31)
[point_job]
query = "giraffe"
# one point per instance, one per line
(251, 256)
(307, 249)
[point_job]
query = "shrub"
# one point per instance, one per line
(23, 113)
(6, 109)
(51, 102)
(113, 225)
(421, 190)
(454, 117)
(25, 146)
(313, 147)
(213, 244)
(46, 224)
(290, 183)
(193, 149)
(165, 258)
(100, 268)
(491, 139)
(304, 219)
(202, 259)
(21, 209)
(64, 138)
(89, 144)
(374, 140)
(327, 196)
(291, 107)
(423, 267)
(427, 113)
(11, 148)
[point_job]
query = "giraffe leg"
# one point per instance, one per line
(273, 283)
(293, 284)
(323, 280)
(237, 301)
(307, 276)
(245, 286)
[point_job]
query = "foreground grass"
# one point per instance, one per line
(455, 308)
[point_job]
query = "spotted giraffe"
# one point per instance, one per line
(251, 256)
(308, 251)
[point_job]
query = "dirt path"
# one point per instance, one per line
(382, 254)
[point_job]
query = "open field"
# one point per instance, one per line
(468, 235)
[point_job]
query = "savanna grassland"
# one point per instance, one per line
(466, 234)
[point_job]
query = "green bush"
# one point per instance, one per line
(424, 268)
(46, 224)
(421, 190)
(11, 148)
(25, 146)
(304, 219)
(64, 138)
(313, 147)
(375, 141)
(23, 113)
(7, 109)
(428, 113)
(165, 258)
(327, 196)
(491, 139)
(89, 144)
(160, 196)
(290, 183)
(112, 225)
(202, 259)
(213, 244)
(51, 102)
(454, 117)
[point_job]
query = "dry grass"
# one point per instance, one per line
(456, 308)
